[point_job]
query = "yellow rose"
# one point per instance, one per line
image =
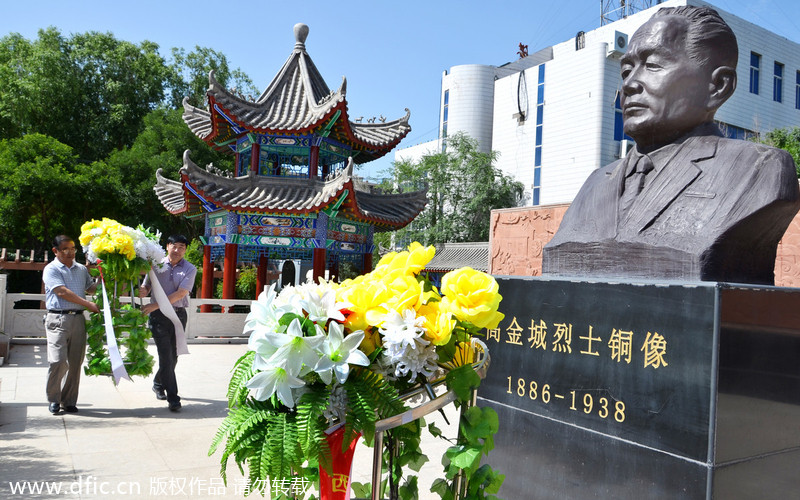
(123, 245)
(110, 226)
(383, 265)
(438, 323)
(364, 299)
(102, 245)
(410, 261)
(472, 296)
(418, 257)
(372, 340)
(404, 290)
(464, 355)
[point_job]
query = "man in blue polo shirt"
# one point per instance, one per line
(65, 284)
(176, 277)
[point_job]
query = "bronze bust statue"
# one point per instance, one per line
(686, 203)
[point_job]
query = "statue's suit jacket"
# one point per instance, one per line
(715, 211)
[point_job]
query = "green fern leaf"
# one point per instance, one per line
(242, 372)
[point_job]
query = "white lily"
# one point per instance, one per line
(290, 300)
(264, 314)
(298, 354)
(322, 307)
(275, 379)
(338, 353)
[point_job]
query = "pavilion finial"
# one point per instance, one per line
(300, 34)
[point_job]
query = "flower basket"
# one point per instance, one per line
(117, 338)
(349, 355)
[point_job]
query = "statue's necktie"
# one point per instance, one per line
(634, 182)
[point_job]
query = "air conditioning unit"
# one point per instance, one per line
(624, 146)
(618, 45)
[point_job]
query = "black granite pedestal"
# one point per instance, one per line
(645, 390)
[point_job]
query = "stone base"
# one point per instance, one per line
(4, 348)
(645, 390)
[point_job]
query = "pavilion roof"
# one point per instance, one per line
(451, 256)
(296, 102)
(288, 195)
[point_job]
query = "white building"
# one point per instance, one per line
(554, 115)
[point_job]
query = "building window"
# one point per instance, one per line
(619, 131)
(734, 132)
(777, 83)
(445, 113)
(797, 91)
(537, 152)
(244, 162)
(755, 67)
(580, 40)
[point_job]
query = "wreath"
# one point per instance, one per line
(122, 254)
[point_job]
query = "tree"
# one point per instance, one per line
(46, 191)
(89, 91)
(787, 139)
(464, 186)
(189, 75)
(84, 125)
(121, 83)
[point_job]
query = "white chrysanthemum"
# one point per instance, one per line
(382, 367)
(405, 349)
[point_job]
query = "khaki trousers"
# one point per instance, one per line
(66, 349)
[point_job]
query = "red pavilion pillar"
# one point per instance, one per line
(255, 155)
(261, 274)
(318, 260)
(313, 161)
(367, 263)
(207, 286)
(229, 271)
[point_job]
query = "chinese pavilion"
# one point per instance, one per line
(293, 195)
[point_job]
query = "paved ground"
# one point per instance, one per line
(124, 443)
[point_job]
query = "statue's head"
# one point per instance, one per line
(680, 67)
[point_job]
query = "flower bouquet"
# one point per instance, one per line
(122, 253)
(326, 361)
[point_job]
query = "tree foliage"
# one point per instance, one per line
(787, 139)
(85, 122)
(190, 71)
(464, 186)
(89, 91)
(46, 191)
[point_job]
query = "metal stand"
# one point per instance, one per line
(481, 366)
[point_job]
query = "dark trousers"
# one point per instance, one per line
(164, 337)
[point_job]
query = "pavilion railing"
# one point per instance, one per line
(21, 316)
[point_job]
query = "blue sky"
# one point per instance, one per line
(392, 53)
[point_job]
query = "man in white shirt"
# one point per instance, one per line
(66, 284)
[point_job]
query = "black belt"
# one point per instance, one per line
(65, 311)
